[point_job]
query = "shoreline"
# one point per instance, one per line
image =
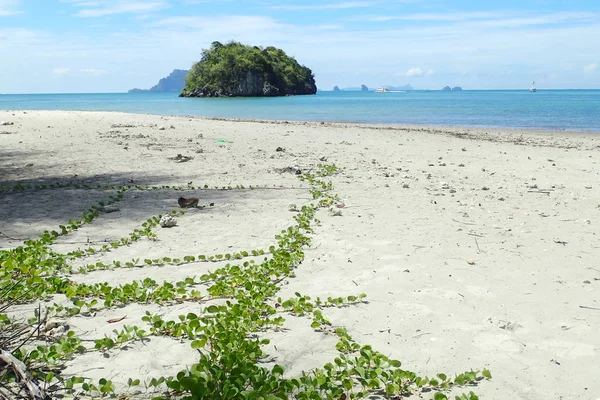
(475, 250)
(434, 129)
(554, 112)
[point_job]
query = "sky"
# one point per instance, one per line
(91, 46)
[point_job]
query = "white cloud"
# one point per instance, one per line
(194, 2)
(588, 69)
(9, 7)
(327, 6)
(21, 37)
(433, 17)
(249, 29)
(414, 72)
(93, 71)
(500, 19)
(418, 72)
(60, 70)
(111, 7)
(226, 22)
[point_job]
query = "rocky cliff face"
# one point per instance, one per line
(252, 85)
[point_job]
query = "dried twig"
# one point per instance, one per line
(462, 222)
(34, 392)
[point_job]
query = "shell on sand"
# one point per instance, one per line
(168, 221)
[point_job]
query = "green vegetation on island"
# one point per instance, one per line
(235, 69)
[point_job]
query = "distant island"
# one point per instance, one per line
(454, 89)
(336, 89)
(403, 87)
(234, 69)
(364, 88)
(175, 82)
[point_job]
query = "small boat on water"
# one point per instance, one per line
(382, 90)
(533, 89)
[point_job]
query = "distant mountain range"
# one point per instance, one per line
(175, 82)
(359, 88)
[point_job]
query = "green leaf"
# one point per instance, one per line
(440, 396)
(174, 385)
(487, 374)
(392, 389)
(395, 363)
(348, 384)
(199, 344)
(212, 309)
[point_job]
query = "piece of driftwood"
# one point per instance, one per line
(34, 392)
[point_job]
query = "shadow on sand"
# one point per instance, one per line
(37, 206)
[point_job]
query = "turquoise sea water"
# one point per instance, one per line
(575, 110)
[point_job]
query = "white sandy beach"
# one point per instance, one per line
(476, 248)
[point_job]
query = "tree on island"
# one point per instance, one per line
(235, 69)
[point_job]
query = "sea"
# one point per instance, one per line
(563, 110)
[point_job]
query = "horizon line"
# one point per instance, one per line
(318, 90)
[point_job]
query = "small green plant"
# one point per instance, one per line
(226, 334)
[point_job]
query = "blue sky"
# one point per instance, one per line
(54, 46)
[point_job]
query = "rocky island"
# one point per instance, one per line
(175, 82)
(454, 89)
(237, 70)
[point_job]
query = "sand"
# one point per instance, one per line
(477, 248)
